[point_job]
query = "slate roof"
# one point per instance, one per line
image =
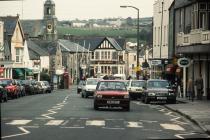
(69, 46)
(9, 24)
(33, 28)
(34, 47)
(94, 42)
(182, 3)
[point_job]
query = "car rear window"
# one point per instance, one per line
(107, 85)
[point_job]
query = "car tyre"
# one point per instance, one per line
(146, 100)
(95, 107)
(127, 108)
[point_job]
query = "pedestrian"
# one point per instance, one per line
(190, 89)
(199, 87)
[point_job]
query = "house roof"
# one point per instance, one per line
(36, 48)
(69, 46)
(182, 3)
(93, 43)
(33, 28)
(9, 24)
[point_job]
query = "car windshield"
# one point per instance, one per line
(157, 84)
(137, 83)
(111, 85)
(92, 82)
(46, 83)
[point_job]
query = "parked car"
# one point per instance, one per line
(3, 93)
(49, 88)
(11, 87)
(89, 87)
(22, 87)
(80, 85)
(111, 93)
(136, 88)
(159, 91)
(31, 87)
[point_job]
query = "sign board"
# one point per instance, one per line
(155, 62)
(184, 62)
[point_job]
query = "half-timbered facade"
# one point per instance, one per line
(107, 55)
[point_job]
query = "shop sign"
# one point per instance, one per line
(184, 62)
(156, 62)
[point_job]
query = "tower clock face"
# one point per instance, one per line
(49, 27)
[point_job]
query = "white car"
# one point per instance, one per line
(89, 87)
(136, 88)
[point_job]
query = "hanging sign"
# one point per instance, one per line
(184, 62)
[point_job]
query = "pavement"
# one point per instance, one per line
(197, 111)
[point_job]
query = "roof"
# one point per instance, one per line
(33, 28)
(182, 3)
(69, 46)
(9, 24)
(49, 2)
(36, 48)
(93, 43)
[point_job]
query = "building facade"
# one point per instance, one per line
(191, 38)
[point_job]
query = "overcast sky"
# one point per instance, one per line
(81, 9)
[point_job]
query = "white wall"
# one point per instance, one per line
(44, 62)
(157, 19)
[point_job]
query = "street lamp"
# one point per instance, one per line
(137, 37)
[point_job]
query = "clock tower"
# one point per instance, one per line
(50, 20)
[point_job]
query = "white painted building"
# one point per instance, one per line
(160, 28)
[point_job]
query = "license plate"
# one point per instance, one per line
(162, 98)
(113, 102)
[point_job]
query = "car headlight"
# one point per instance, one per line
(126, 96)
(99, 96)
(151, 94)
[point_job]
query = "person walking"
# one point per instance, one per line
(190, 89)
(199, 87)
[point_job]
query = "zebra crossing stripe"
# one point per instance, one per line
(54, 122)
(134, 124)
(95, 123)
(172, 127)
(19, 122)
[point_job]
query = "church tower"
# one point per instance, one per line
(50, 20)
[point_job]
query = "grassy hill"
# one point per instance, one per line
(129, 33)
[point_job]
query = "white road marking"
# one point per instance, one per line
(172, 127)
(180, 135)
(65, 122)
(114, 128)
(95, 123)
(19, 122)
(148, 121)
(73, 127)
(54, 122)
(25, 132)
(134, 124)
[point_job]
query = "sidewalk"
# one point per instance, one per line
(197, 111)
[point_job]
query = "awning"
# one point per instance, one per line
(18, 72)
(29, 72)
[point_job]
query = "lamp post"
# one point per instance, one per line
(137, 37)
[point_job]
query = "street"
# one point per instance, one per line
(63, 115)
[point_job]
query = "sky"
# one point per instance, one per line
(78, 9)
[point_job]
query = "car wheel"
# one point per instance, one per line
(146, 100)
(5, 99)
(82, 95)
(95, 107)
(127, 108)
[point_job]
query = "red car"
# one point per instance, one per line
(111, 93)
(11, 87)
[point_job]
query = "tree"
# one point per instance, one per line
(44, 76)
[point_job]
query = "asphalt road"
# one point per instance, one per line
(64, 115)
